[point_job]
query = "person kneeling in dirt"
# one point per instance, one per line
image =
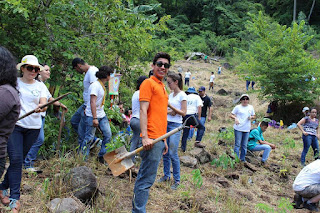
(257, 143)
(307, 187)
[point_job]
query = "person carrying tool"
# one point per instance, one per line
(95, 115)
(32, 96)
(153, 123)
(33, 152)
(78, 119)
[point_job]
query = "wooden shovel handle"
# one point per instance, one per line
(45, 105)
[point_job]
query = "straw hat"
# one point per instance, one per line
(31, 60)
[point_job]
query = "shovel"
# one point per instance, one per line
(120, 160)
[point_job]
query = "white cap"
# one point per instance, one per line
(305, 109)
(31, 60)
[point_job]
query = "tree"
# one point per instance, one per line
(278, 61)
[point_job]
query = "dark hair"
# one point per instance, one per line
(140, 80)
(176, 77)
(161, 55)
(77, 61)
(104, 72)
(212, 72)
(8, 70)
(264, 123)
(312, 109)
(126, 112)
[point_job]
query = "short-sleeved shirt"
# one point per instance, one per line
(206, 102)
(255, 136)
(97, 90)
(9, 113)
(153, 91)
(309, 175)
(212, 77)
(176, 102)
(187, 74)
(43, 114)
(135, 105)
(310, 126)
(89, 78)
(243, 113)
(30, 95)
(193, 101)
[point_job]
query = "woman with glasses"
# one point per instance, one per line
(32, 95)
(177, 107)
(33, 152)
(310, 134)
(242, 115)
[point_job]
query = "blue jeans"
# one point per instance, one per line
(33, 152)
(186, 81)
(266, 151)
(19, 144)
(241, 139)
(78, 122)
(146, 176)
(172, 154)
(89, 135)
(135, 126)
(309, 140)
(185, 133)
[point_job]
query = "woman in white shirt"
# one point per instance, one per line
(177, 108)
(135, 119)
(95, 115)
(242, 115)
(26, 131)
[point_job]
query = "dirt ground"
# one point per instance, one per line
(234, 189)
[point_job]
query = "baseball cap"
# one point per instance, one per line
(202, 88)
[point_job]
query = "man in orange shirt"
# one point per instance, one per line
(153, 123)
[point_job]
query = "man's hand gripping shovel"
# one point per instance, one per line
(120, 160)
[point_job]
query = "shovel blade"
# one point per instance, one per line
(117, 168)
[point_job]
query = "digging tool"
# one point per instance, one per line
(60, 129)
(45, 105)
(120, 160)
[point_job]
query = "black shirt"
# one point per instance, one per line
(206, 103)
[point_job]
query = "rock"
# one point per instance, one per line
(222, 92)
(189, 161)
(227, 65)
(27, 188)
(237, 94)
(224, 182)
(236, 100)
(64, 205)
(232, 176)
(223, 129)
(201, 155)
(83, 183)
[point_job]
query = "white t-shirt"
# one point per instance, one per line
(309, 175)
(30, 95)
(193, 101)
(97, 90)
(135, 105)
(187, 74)
(243, 113)
(176, 103)
(89, 78)
(43, 114)
(212, 77)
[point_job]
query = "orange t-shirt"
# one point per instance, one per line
(153, 91)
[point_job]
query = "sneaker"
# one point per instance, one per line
(95, 143)
(14, 205)
(310, 206)
(175, 186)
(33, 169)
(297, 199)
(199, 145)
(4, 197)
(163, 179)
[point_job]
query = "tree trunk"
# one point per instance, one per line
(311, 10)
(294, 10)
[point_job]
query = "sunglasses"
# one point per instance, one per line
(31, 68)
(160, 64)
(245, 99)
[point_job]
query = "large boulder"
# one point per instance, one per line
(83, 183)
(201, 155)
(222, 92)
(65, 205)
(188, 161)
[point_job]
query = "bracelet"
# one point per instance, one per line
(95, 118)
